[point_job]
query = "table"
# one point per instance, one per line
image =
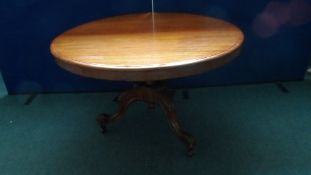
(148, 48)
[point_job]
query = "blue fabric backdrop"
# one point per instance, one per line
(277, 45)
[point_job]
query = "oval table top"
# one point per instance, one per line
(133, 48)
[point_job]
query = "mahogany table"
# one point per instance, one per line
(134, 48)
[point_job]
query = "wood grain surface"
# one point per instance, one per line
(129, 48)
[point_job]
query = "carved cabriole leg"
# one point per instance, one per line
(185, 137)
(124, 100)
(151, 96)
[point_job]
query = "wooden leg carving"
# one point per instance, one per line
(151, 96)
(124, 100)
(185, 137)
(123, 103)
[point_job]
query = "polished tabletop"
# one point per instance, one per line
(134, 48)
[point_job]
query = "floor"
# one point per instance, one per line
(240, 130)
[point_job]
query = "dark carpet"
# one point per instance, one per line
(240, 130)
